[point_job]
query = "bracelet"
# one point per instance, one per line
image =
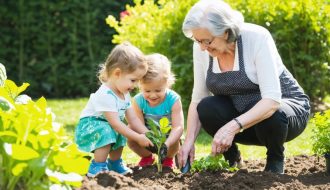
(239, 124)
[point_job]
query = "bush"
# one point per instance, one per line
(157, 28)
(300, 29)
(321, 132)
(32, 146)
(56, 46)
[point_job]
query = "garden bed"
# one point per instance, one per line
(301, 172)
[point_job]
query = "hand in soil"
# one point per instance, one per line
(163, 152)
(186, 167)
(152, 149)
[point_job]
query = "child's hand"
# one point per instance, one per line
(144, 141)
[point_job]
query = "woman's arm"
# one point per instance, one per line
(224, 137)
(262, 110)
(177, 124)
(193, 127)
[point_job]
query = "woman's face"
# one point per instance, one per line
(215, 45)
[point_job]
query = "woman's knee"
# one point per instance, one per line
(213, 107)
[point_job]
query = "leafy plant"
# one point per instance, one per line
(300, 29)
(321, 132)
(157, 136)
(211, 163)
(32, 146)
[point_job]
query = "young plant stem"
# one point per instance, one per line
(159, 163)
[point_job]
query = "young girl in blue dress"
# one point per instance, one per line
(155, 101)
(101, 128)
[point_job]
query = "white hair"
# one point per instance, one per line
(214, 15)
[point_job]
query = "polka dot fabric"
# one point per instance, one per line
(242, 91)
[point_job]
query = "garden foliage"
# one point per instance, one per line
(299, 27)
(211, 163)
(321, 132)
(35, 152)
(56, 46)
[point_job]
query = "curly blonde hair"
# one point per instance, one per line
(159, 68)
(124, 56)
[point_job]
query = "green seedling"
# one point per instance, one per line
(212, 163)
(157, 136)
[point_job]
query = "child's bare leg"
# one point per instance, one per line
(135, 147)
(173, 150)
(116, 154)
(101, 154)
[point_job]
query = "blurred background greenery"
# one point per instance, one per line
(56, 46)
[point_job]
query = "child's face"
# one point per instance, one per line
(154, 92)
(126, 82)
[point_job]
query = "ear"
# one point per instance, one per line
(117, 72)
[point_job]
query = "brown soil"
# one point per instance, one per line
(301, 172)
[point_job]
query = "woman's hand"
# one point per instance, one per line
(143, 141)
(183, 153)
(223, 139)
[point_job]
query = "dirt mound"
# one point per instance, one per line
(301, 172)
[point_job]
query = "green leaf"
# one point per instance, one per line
(13, 90)
(5, 105)
(20, 152)
(163, 122)
(18, 168)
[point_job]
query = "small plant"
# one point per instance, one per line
(321, 133)
(157, 136)
(211, 163)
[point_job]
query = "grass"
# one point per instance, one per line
(67, 112)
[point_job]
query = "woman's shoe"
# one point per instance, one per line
(275, 166)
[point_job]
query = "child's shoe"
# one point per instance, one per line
(96, 167)
(168, 162)
(146, 161)
(118, 166)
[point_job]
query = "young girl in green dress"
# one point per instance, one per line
(101, 128)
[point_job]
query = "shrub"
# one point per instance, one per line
(32, 146)
(300, 29)
(56, 46)
(321, 132)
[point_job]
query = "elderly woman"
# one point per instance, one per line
(242, 91)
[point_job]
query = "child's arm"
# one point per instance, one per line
(177, 124)
(138, 114)
(121, 128)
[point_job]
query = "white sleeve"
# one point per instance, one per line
(102, 101)
(267, 69)
(200, 90)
